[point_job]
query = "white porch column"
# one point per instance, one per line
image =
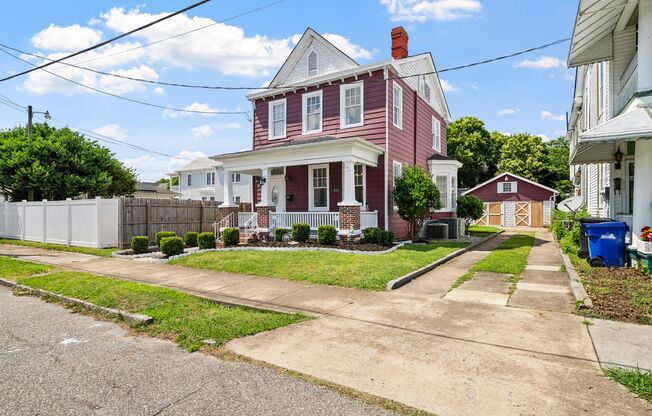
(266, 188)
(348, 193)
(642, 188)
(644, 45)
(228, 190)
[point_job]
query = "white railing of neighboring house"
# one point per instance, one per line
(175, 188)
(368, 219)
(628, 85)
(221, 225)
(315, 219)
(243, 217)
(250, 226)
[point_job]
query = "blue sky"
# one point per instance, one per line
(529, 93)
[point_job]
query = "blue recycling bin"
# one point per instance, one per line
(606, 243)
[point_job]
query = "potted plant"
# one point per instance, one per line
(645, 243)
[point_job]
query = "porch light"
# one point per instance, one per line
(618, 157)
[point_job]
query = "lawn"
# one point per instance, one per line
(508, 258)
(362, 271)
(637, 381)
(186, 319)
(14, 269)
(482, 230)
(102, 252)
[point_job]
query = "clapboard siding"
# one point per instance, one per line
(526, 191)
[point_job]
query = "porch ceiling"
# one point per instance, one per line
(303, 152)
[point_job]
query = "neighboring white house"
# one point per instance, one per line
(610, 125)
(203, 179)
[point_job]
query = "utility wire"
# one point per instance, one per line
(265, 6)
(127, 98)
(106, 42)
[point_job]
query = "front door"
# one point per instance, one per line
(278, 192)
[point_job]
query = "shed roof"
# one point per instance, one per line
(501, 175)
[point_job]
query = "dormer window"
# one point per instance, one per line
(312, 64)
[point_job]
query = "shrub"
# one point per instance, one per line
(326, 234)
(206, 241)
(190, 238)
(162, 234)
(172, 246)
(301, 232)
(416, 197)
(372, 235)
(231, 237)
(140, 244)
(471, 208)
(279, 233)
(386, 237)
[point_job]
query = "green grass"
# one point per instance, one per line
(187, 319)
(102, 252)
(362, 271)
(637, 381)
(14, 269)
(508, 258)
(482, 230)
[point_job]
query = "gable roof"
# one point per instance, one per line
(308, 37)
(201, 163)
(151, 187)
(499, 176)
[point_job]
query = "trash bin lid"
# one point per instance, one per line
(594, 220)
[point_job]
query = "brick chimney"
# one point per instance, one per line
(399, 43)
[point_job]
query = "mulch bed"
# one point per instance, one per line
(622, 294)
(342, 245)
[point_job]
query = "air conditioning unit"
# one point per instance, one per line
(437, 230)
(455, 226)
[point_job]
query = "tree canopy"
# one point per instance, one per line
(56, 164)
(416, 197)
(524, 155)
(470, 143)
(556, 174)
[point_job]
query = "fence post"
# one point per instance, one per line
(98, 221)
(22, 231)
(147, 220)
(201, 217)
(121, 203)
(45, 204)
(68, 222)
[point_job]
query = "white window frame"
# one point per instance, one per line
(189, 180)
(513, 189)
(236, 177)
(210, 178)
(237, 199)
(311, 194)
(395, 164)
(444, 196)
(343, 89)
(364, 182)
(270, 109)
(436, 134)
(397, 106)
(304, 121)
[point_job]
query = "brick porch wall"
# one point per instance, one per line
(223, 212)
(349, 218)
(264, 214)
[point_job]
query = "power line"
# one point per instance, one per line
(127, 98)
(106, 42)
(265, 6)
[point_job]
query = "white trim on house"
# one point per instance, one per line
(397, 105)
(512, 175)
(507, 187)
(436, 134)
(446, 168)
(311, 187)
(304, 111)
(270, 129)
(343, 116)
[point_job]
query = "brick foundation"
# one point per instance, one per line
(349, 218)
(223, 212)
(264, 216)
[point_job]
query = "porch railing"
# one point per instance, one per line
(175, 188)
(244, 217)
(368, 219)
(315, 219)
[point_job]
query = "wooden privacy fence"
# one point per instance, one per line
(141, 216)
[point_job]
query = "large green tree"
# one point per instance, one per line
(416, 197)
(470, 143)
(56, 164)
(524, 155)
(556, 174)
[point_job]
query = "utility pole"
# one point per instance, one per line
(30, 127)
(30, 114)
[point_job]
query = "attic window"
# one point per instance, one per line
(312, 64)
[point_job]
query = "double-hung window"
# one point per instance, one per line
(210, 178)
(397, 106)
(189, 180)
(351, 105)
(442, 185)
(277, 119)
(312, 112)
(436, 134)
(318, 188)
(235, 177)
(358, 182)
(397, 172)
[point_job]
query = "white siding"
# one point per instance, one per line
(327, 62)
(509, 209)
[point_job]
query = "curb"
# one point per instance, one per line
(405, 279)
(128, 316)
(576, 284)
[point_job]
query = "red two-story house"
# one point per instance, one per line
(330, 136)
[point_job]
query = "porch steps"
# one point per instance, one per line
(252, 238)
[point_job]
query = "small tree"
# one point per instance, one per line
(470, 208)
(416, 197)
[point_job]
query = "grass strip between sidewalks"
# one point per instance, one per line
(102, 252)
(637, 381)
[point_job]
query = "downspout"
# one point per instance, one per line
(386, 76)
(252, 185)
(415, 127)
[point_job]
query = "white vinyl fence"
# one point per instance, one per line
(82, 223)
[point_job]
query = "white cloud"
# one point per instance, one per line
(548, 115)
(424, 10)
(227, 126)
(69, 38)
(544, 137)
(353, 50)
(121, 86)
(475, 85)
(195, 106)
(111, 130)
(559, 133)
(543, 62)
(159, 91)
(447, 86)
(508, 111)
(202, 132)
(150, 168)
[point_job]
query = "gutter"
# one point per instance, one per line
(386, 157)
